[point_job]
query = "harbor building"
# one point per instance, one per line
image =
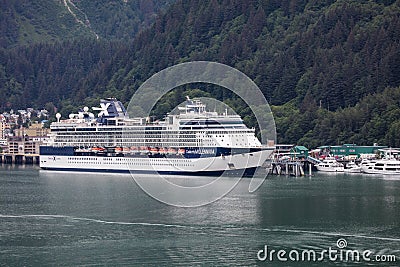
(23, 145)
(299, 152)
(25, 141)
(350, 151)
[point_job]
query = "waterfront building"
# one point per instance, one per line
(299, 152)
(351, 151)
(23, 145)
(27, 140)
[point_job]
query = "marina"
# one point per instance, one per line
(383, 161)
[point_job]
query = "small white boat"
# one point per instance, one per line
(389, 165)
(383, 166)
(330, 165)
(366, 162)
(352, 167)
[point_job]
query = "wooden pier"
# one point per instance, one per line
(293, 167)
(19, 158)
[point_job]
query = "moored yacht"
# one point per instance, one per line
(352, 167)
(388, 165)
(383, 166)
(330, 165)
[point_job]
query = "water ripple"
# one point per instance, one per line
(49, 216)
(201, 227)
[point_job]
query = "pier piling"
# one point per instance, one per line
(19, 158)
(293, 167)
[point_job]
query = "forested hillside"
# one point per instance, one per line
(121, 19)
(337, 51)
(331, 69)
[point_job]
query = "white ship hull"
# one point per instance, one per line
(353, 170)
(330, 165)
(388, 165)
(352, 167)
(381, 172)
(385, 167)
(233, 164)
(329, 169)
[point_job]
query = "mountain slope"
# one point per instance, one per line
(121, 19)
(27, 22)
(312, 60)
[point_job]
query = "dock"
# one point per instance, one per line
(287, 167)
(19, 158)
(293, 167)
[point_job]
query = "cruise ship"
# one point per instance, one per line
(192, 142)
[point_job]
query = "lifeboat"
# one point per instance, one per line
(181, 151)
(144, 149)
(126, 149)
(154, 150)
(171, 150)
(97, 149)
(118, 149)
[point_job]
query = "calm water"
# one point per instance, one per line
(55, 218)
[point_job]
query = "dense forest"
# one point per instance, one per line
(330, 69)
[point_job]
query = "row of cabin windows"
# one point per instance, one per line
(135, 163)
(124, 159)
